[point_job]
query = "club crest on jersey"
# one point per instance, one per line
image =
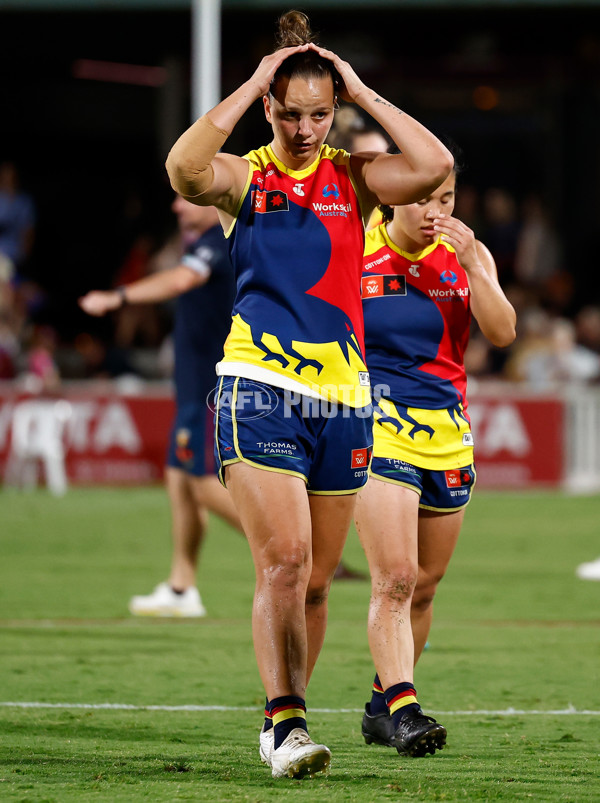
(270, 201)
(375, 286)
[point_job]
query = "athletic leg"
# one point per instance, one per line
(438, 534)
(212, 496)
(387, 521)
(188, 528)
(387, 524)
(331, 517)
(275, 516)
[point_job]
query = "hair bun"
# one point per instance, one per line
(293, 30)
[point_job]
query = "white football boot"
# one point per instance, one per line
(298, 756)
(163, 601)
(589, 571)
(266, 741)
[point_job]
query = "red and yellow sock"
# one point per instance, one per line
(378, 704)
(268, 723)
(401, 698)
(287, 712)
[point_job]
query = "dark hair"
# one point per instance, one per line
(294, 29)
(387, 212)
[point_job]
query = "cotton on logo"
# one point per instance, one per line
(499, 428)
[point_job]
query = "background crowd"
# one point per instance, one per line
(109, 103)
(558, 328)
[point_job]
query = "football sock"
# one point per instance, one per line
(288, 712)
(378, 704)
(401, 699)
(268, 724)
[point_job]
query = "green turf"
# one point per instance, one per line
(515, 635)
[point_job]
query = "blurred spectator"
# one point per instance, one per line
(137, 325)
(41, 371)
(502, 229)
(467, 208)
(478, 362)
(538, 253)
(587, 325)
(9, 347)
(97, 360)
(17, 221)
(548, 355)
(9, 322)
(558, 293)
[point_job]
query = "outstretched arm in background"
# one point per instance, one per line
(151, 289)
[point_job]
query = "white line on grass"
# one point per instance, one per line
(506, 712)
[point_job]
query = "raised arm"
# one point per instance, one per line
(196, 169)
(492, 310)
(394, 179)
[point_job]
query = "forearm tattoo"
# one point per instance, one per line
(389, 105)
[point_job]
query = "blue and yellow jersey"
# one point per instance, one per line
(417, 319)
(296, 245)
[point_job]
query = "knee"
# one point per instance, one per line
(317, 591)
(424, 592)
(396, 584)
(284, 566)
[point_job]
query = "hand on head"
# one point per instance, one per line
(265, 72)
(349, 84)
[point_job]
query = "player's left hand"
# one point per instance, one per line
(351, 85)
(460, 237)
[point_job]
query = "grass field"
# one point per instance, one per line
(98, 706)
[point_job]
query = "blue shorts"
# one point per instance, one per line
(326, 444)
(442, 491)
(191, 443)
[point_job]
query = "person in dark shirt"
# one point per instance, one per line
(204, 286)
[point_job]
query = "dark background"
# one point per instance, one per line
(91, 153)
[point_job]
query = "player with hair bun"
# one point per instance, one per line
(293, 431)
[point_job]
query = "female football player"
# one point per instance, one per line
(424, 276)
(293, 427)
